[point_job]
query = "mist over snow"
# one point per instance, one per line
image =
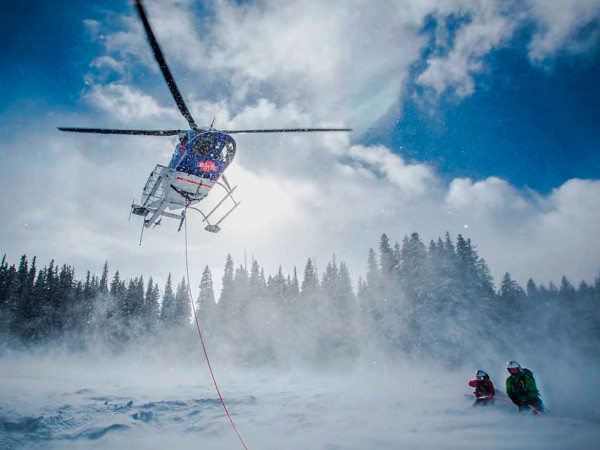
(304, 358)
(97, 403)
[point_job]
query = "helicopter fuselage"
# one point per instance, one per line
(199, 160)
(203, 154)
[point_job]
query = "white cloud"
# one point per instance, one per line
(127, 104)
(492, 193)
(558, 24)
(487, 29)
(530, 235)
(412, 179)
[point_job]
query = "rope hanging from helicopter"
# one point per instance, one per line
(191, 297)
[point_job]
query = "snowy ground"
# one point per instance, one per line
(85, 403)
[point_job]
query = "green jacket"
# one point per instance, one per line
(521, 388)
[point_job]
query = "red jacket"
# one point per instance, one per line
(483, 388)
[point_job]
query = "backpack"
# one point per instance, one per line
(518, 382)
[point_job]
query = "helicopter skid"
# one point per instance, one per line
(170, 189)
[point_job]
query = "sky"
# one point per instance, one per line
(476, 117)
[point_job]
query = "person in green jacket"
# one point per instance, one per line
(521, 388)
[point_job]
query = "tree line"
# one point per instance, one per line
(437, 300)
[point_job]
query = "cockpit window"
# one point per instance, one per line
(215, 146)
(228, 151)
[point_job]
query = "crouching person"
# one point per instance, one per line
(521, 388)
(484, 388)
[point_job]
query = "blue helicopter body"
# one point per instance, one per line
(204, 154)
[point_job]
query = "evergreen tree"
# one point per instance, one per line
(330, 276)
(294, 285)
(7, 308)
(151, 309)
(532, 290)
(205, 306)
(168, 308)
(414, 267)
(240, 294)
(567, 291)
(309, 292)
(345, 313)
(257, 285)
(132, 308)
(104, 279)
(182, 309)
(310, 283)
(23, 300)
(226, 300)
(387, 265)
(413, 311)
(72, 313)
(373, 296)
(511, 297)
(362, 293)
(52, 303)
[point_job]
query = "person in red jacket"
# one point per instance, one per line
(484, 388)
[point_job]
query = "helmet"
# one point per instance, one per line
(513, 367)
(480, 375)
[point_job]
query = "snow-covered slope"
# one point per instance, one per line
(82, 402)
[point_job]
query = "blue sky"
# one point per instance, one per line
(471, 116)
(534, 126)
(45, 52)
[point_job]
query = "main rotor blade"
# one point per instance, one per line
(134, 132)
(287, 130)
(160, 59)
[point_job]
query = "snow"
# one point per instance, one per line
(87, 402)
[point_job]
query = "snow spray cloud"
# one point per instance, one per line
(387, 367)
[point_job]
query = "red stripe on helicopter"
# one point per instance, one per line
(194, 182)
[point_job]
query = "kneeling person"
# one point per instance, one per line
(484, 388)
(521, 388)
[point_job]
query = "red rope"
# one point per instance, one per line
(187, 271)
(537, 411)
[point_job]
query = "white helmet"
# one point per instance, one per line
(513, 367)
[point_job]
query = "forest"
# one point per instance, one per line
(435, 301)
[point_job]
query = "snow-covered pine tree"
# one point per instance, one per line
(182, 311)
(151, 309)
(103, 288)
(206, 306)
(168, 310)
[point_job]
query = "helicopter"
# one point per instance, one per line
(198, 162)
